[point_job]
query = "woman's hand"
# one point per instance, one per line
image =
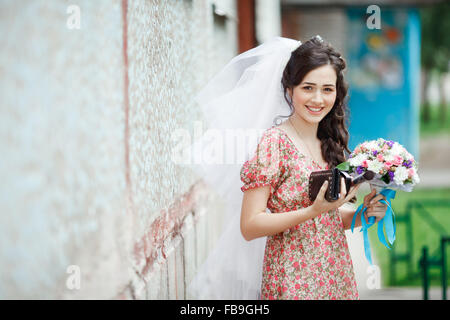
(374, 207)
(321, 205)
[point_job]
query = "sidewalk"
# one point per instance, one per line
(402, 293)
(434, 167)
(434, 178)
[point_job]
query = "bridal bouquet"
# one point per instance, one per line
(393, 165)
(394, 168)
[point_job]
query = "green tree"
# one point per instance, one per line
(435, 52)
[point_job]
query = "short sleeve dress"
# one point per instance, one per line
(312, 259)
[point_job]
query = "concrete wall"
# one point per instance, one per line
(88, 190)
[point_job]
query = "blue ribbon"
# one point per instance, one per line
(387, 223)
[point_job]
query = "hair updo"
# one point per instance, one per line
(332, 130)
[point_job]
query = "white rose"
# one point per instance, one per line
(400, 175)
(396, 149)
(356, 160)
(374, 165)
(389, 156)
(415, 178)
(372, 145)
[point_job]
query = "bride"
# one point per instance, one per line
(279, 244)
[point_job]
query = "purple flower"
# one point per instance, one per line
(391, 175)
(390, 143)
(375, 152)
(407, 163)
(359, 170)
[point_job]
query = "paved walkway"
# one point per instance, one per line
(434, 178)
(434, 167)
(402, 293)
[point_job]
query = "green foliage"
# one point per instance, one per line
(422, 234)
(435, 124)
(435, 50)
(344, 166)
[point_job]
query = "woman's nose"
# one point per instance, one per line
(317, 99)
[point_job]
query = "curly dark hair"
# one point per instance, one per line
(332, 130)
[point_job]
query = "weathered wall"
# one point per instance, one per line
(85, 126)
(62, 145)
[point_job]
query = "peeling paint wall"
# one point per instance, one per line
(85, 138)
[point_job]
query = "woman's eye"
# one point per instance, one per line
(309, 87)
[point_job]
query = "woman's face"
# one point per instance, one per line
(314, 97)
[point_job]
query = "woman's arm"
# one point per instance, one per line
(347, 211)
(256, 222)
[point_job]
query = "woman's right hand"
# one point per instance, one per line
(322, 205)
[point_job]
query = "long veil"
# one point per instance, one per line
(238, 104)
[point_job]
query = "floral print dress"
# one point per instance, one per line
(312, 259)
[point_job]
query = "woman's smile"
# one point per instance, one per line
(314, 110)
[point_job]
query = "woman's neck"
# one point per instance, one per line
(306, 130)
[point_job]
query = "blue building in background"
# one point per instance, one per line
(384, 77)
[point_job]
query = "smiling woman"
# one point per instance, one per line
(303, 253)
(306, 254)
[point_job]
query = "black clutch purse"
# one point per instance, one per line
(317, 178)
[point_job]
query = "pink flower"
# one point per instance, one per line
(380, 157)
(388, 165)
(364, 164)
(398, 160)
(411, 172)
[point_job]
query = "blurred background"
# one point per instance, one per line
(92, 207)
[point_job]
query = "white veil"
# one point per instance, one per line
(241, 101)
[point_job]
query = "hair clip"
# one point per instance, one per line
(319, 38)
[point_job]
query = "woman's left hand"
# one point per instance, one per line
(374, 207)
